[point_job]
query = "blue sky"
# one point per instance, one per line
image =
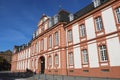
(19, 18)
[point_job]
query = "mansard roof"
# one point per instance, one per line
(21, 47)
(87, 9)
(84, 11)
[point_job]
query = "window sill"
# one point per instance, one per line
(70, 41)
(82, 37)
(56, 65)
(104, 61)
(41, 50)
(100, 31)
(71, 65)
(56, 46)
(49, 47)
(85, 64)
(50, 66)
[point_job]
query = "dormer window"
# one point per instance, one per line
(22, 46)
(19, 49)
(33, 35)
(71, 17)
(96, 3)
(55, 19)
(36, 33)
(42, 28)
(50, 22)
(43, 19)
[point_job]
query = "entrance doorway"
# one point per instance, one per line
(42, 61)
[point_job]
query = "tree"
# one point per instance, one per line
(4, 65)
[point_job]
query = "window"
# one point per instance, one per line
(71, 17)
(50, 41)
(96, 3)
(37, 48)
(71, 58)
(69, 35)
(118, 14)
(82, 30)
(50, 61)
(42, 28)
(34, 35)
(103, 53)
(56, 59)
(84, 56)
(34, 50)
(42, 44)
(99, 24)
(36, 32)
(32, 63)
(55, 19)
(50, 22)
(56, 38)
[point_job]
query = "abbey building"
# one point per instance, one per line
(86, 43)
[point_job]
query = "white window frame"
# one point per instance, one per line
(42, 44)
(56, 59)
(82, 30)
(70, 37)
(55, 19)
(37, 48)
(34, 35)
(103, 53)
(71, 17)
(56, 38)
(50, 23)
(36, 32)
(42, 28)
(96, 3)
(50, 60)
(71, 59)
(84, 56)
(50, 41)
(117, 10)
(99, 25)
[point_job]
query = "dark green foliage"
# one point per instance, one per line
(4, 65)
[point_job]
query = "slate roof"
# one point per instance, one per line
(21, 47)
(87, 9)
(84, 11)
